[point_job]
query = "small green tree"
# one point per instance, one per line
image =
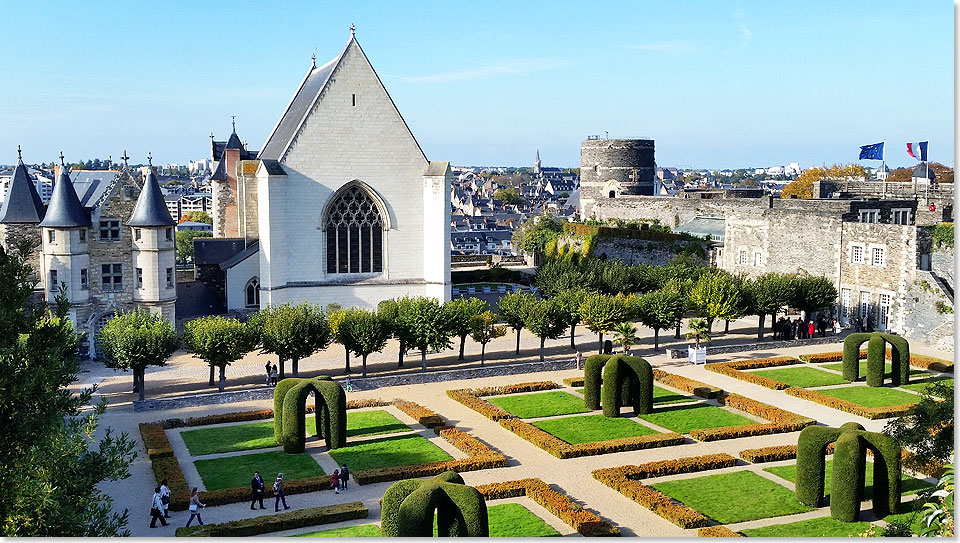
(484, 328)
(389, 311)
(660, 309)
(928, 429)
(335, 320)
(459, 313)
(699, 331)
(545, 321)
(367, 332)
(625, 334)
(767, 295)
(716, 296)
(292, 332)
(424, 320)
(512, 308)
(184, 242)
(509, 196)
(568, 303)
(813, 294)
(601, 313)
(219, 341)
(135, 340)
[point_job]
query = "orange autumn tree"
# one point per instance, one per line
(802, 186)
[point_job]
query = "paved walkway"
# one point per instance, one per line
(571, 476)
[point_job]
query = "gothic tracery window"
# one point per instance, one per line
(354, 232)
(253, 293)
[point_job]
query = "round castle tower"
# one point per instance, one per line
(613, 168)
(66, 249)
(154, 250)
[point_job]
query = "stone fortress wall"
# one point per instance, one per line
(615, 167)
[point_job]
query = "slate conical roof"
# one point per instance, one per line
(65, 209)
(151, 210)
(22, 204)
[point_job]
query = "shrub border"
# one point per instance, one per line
(165, 464)
(733, 369)
(871, 413)
(916, 360)
(559, 504)
(718, 530)
(781, 420)
(265, 524)
(624, 479)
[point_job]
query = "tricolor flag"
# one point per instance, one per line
(918, 150)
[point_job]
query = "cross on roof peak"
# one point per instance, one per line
(125, 158)
(19, 153)
(233, 121)
(149, 158)
(353, 30)
(61, 159)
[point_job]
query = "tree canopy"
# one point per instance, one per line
(135, 340)
(802, 186)
(424, 321)
(367, 333)
(292, 332)
(219, 341)
(512, 308)
(459, 313)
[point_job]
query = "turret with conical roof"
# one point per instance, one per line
(154, 249)
(66, 251)
(151, 210)
(22, 204)
(65, 209)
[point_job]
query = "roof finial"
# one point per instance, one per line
(109, 161)
(353, 30)
(61, 159)
(125, 159)
(19, 153)
(211, 135)
(313, 59)
(233, 120)
(149, 158)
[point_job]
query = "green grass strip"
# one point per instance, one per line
(871, 396)
(362, 530)
(817, 527)
(685, 418)
(590, 428)
(887, 369)
(734, 497)
(389, 451)
(540, 404)
(231, 471)
(921, 386)
(802, 376)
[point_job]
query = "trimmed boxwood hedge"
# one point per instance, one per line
(733, 369)
(686, 384)
(627, 380)
(717, 531)
(291, 520)
(581, 520)
(289, 403)
(408, 506)
(876, 353)
(883, 412)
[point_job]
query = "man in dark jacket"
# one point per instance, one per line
(256, 484)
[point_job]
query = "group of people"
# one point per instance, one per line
(802, 329)
(272, 374)
(256, 484)
(160, 508)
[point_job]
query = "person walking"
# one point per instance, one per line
(579, 360)
(274, 375)
(267, 368)
(256, 484)
(836, 327)
(195, 506)
(165, 498)
(810, 330)
(156, 509)
(335, 481)
(278, 492)
(344, 476)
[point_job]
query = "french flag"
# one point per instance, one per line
(918, 150)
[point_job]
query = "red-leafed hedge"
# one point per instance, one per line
(781, 420)
(717, 531)
(734, 369)
(686, 384)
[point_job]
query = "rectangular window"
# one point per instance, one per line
(844, 304)
(139, 277)
(864, 305)
(136, 234)
(51, 236)
(331, 250)
(169, 234)
(742, 257)
(878, 256)
(52, 279)
(342, 254)
(169, 277)
(856, 254)
(354, 98)
(757, 259)
(901, 216)
(83, 235)
(84, 281)
(869, 215)
(111, 277)
(884, 312)
(110, 230)
(354, 249)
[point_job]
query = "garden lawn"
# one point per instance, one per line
(362, 530)
(540, 404)
(590, 428)
(733, 497)
(871, 396)
(239, 437)
(908, 485)
(367, 423)
(231, 471)
(922, 385)
(816, 527)
(685, 418)
(389, 451)
(803, 376)
(662, 396)
(887, 369)
(512, 520)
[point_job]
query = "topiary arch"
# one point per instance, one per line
(849, 469)
(876, 353)
(289, 413)
(627, 380)
(407, 508)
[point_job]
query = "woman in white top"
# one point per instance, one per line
(165, 498)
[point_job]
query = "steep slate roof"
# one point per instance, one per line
(924, 171)
(213, 251)
(65, 209)
(92, 185)
(151, 209)
(232, 143)
(22, 204)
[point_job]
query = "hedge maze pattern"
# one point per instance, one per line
(849, 469)
(289, 407)
(876, 354)
(627, 380)
(408, 506)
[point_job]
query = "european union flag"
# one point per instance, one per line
(872, 152)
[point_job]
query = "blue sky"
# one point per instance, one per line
(716, 84)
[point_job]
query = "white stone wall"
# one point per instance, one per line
(237, 278)
(154, 254)
(356, 295)
(68, 256)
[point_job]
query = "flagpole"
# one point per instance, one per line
(882, 164)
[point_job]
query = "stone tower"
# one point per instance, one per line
(21, 214)
(614, 168)
(536, 164)
(227, 205)
(154, 251)
(65, 259)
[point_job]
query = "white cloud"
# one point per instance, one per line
(514, 67)
(672, 47)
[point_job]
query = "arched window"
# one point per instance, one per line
(613, 194)
(354, 231)
(253, 292)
